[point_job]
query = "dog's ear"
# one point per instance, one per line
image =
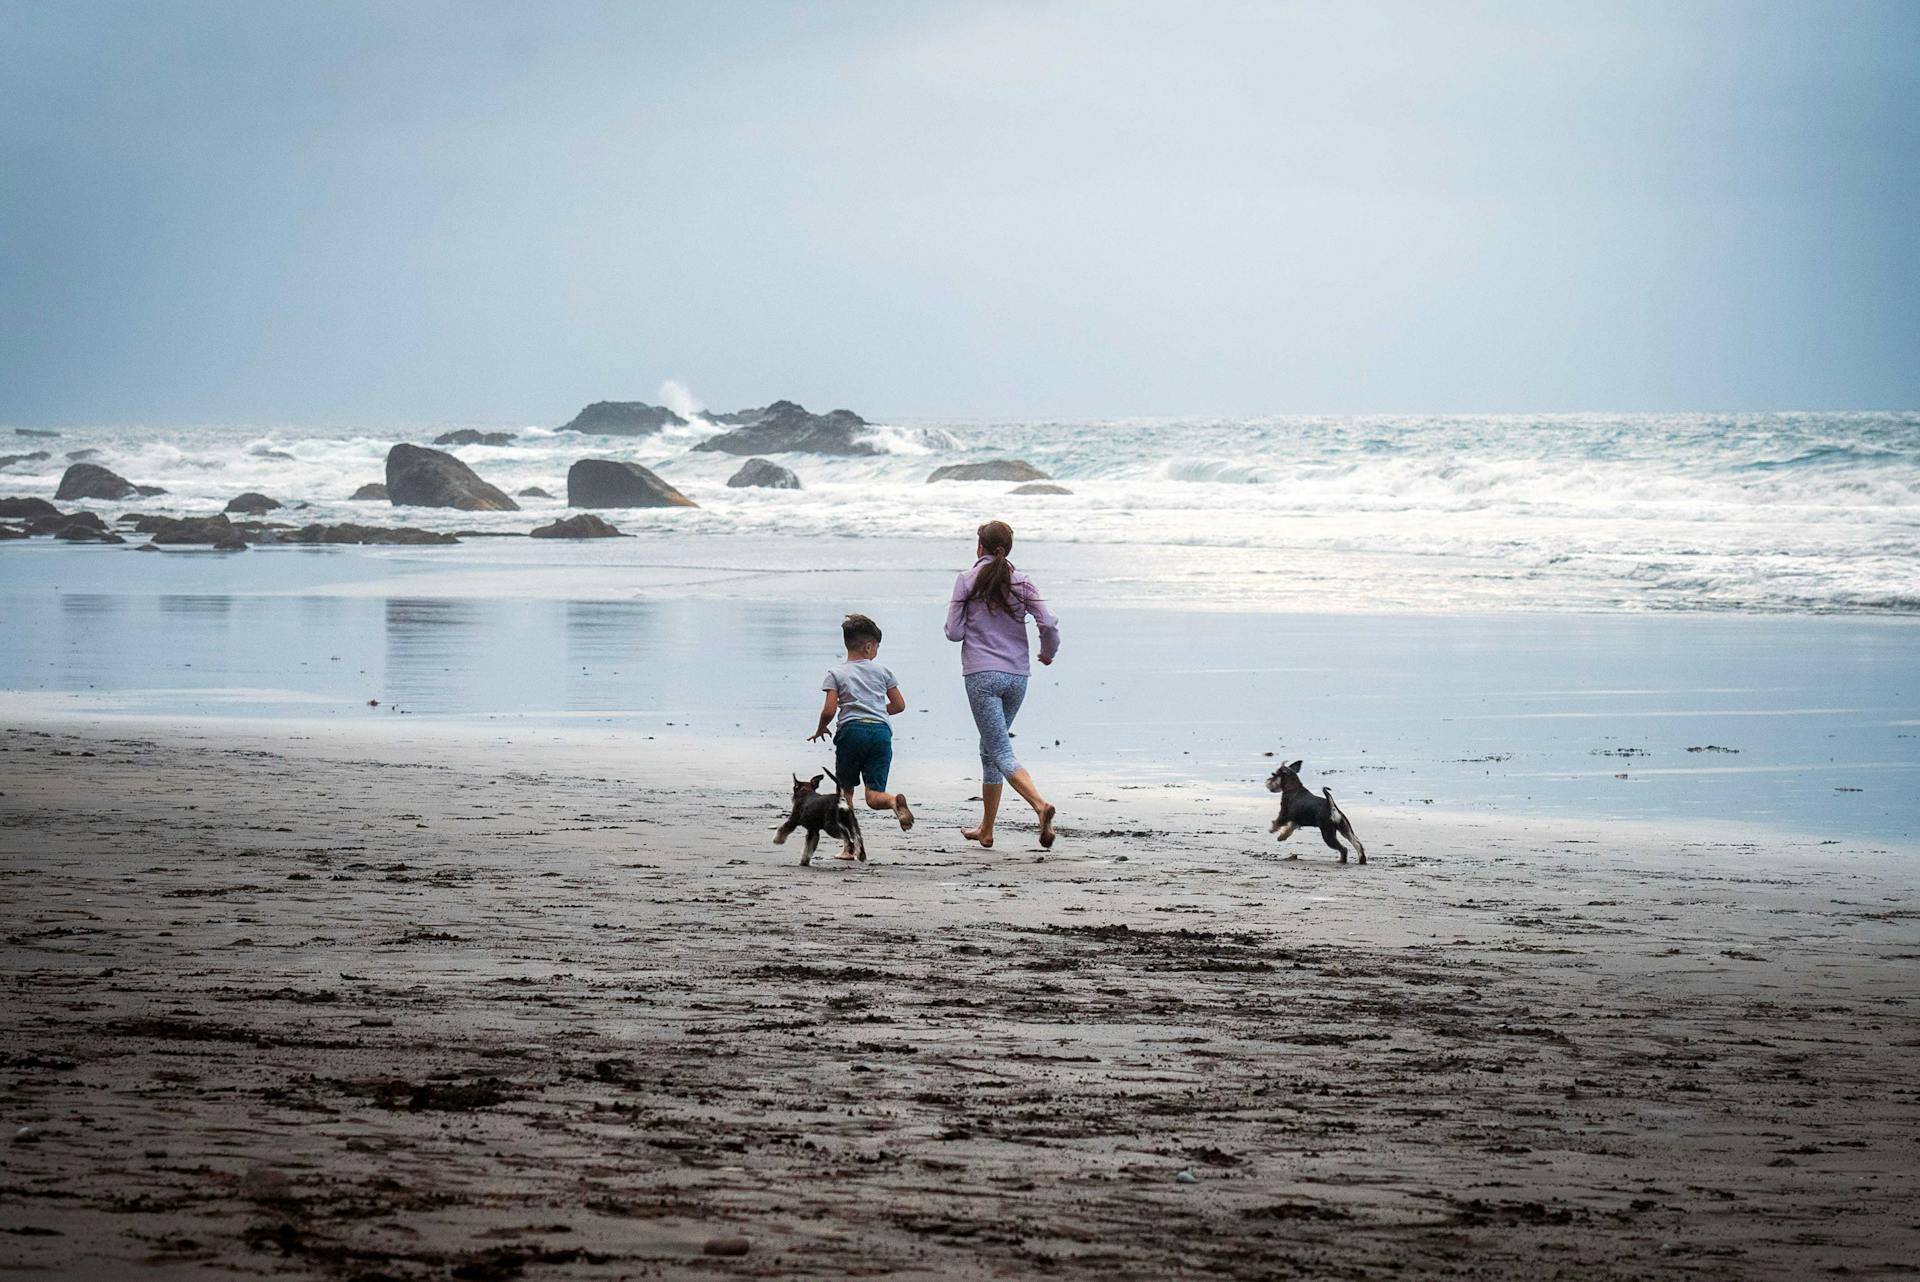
(814, 783)
(1295, 765)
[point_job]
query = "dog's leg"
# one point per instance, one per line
(783, 832)
(813, 844)
(1346, 830)
(855, 836)
(1282, 831)
(1326, 835)
(1279, 820)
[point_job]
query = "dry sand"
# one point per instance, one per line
(365, 1011)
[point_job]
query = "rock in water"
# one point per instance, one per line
(27, 507)
(623, 418)
(371, 490)
(35, 431)
(1039, 487)
(252, 504)
(74, 456)
(12, 532)
(91, 481)
(467, 436)
(38, 456)
(787, 428)
(420, 477)
(532, 492)
(346, 532)
(760, 472)
(600, 482)
(1000, 469)
(84, 527)
(216, 531)
(584, 526)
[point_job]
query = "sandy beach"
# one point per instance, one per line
(384, 1007)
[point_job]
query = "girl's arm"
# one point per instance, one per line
(957, 611)
(1044, 618)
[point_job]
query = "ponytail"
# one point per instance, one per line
(993, 585)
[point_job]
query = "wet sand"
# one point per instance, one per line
(392, 1009)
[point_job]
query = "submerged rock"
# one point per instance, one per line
(1039, 487)
(278, 456)
(74, 456)
(35, 431)
(532, 492)
(623, 418)
(91, 481)
(467, 436)
(253, 504)
(347, 532)
(584, 526)
(1000, 469)
(787, 428)
(371, 490)
(760, 472)
(600, 482)
(420, 477)
(12, 532)
(38, 456)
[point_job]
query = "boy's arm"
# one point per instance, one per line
(827, 709)
(896, 702)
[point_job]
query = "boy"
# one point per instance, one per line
(863, 695)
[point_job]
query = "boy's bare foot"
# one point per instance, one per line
(846, 855)
(1046, 828)
(974, 834)
(900, 811)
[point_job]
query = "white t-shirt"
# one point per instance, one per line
(862, 685)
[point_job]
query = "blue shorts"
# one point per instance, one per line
(863, 750)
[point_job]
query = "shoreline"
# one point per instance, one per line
(342, 1008)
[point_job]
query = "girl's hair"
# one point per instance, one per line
(994, 583)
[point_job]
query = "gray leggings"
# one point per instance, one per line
(995, 698)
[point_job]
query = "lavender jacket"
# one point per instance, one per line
(996, 640)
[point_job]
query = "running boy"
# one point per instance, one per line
(863, 695)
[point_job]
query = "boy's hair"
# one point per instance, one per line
(858, 629)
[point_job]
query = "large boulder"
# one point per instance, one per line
(347, 532)
(91, 481)
(584, 526)
(371, 490)
(786, 428)
(760, 472)
(252, 504)
(1000, 469)
(27, 508)
(601, 482)
(623, 418)
(420, 477)
(38, 456)
(467, 436)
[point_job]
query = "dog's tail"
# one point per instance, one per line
(829, 774)
(1333, 807)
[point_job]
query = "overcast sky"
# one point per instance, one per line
(437, 212)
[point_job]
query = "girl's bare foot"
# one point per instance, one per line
(974, 834)
(900, 811)
(1046, 828)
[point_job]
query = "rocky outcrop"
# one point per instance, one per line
(600, 482)
(212, 531)
(81, 527)
(1000, 469)
(623, 418)
(38, 456)
(371, 490)
(12, 532)
(584, 526)
(786, 428)
(35, 431)
(532, 492)
(27, 508)
(252, 504)
(1039, 487)
(467, 436)
(91, 481)
(347, 532)
(420, 477)
(763, 474)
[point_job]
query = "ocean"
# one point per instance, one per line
(1757, 513)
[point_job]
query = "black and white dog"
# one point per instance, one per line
(819, 812)
(1301, 809)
